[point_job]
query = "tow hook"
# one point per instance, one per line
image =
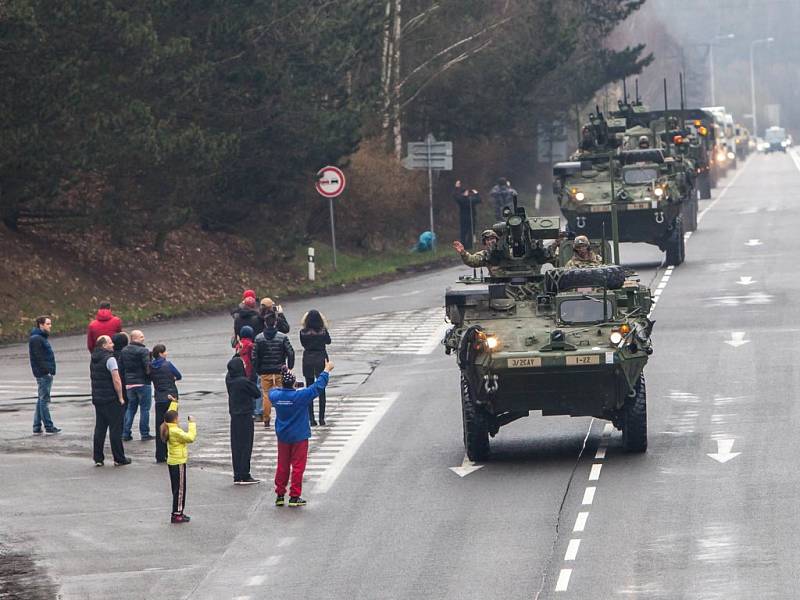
(490, 384)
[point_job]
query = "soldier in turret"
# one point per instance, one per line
(483, 258)
(583, 256)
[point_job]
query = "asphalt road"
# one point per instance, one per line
(559, 511)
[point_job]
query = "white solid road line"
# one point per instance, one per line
(354, 443)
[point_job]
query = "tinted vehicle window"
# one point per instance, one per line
(584, 310)
(638, 176)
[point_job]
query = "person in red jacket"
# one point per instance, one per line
(104, 323)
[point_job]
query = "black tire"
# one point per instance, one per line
(476, 425)
(634, 419)
(609, 276)
(704, 185)
(676, 249)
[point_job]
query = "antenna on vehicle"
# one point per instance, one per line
(625, 90)
(666, 114)
(638, 101)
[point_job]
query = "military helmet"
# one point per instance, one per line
(580, 240)
(487, 233)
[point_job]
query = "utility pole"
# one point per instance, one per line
(727, 36)
(753, 44)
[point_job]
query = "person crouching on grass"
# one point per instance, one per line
(293, 430)
(177, 454)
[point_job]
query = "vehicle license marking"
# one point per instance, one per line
(518, 363)
(600, 208)
(585, 359)
(638, 205)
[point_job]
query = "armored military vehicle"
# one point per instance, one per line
(560, 341)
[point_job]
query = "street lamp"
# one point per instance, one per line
(719, 38)
(753, 44)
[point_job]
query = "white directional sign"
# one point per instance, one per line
(753, 243)
(467, 467)
(737, 339)
(330, 182)
(723, 453)
(745, 281)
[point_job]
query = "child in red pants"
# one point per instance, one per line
(293, 430)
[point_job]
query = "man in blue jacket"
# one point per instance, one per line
(293, 430)
(43, 365)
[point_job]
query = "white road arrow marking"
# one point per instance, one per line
(380, 297)
(467, 467)
(753, 243)
(737, 339)
(414, 293)
(723, 453)
(745, 281)
(749, 211)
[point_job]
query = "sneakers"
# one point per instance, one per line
(180, 519)
(322, 422)
(37, 432)
(127, 438)
(98, 463)
(148, 437)
(123, 462)
(296, 501)
(248, 481)
(52, 431)
(314, 423)
(279, 501)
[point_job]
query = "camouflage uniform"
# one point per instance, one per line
(576, 262)
(479, 259)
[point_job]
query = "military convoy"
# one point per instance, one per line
(560, 341)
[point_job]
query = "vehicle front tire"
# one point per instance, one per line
(676, 247)
(634, 424)
(476, 425)
(704, 185)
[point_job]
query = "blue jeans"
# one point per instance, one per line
(258, 404)
(42, 413)
(139, 397)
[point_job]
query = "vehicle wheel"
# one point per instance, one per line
(676, 249)
(634, 427)
(476, 425)
(704, 185)
(609, 276)
(691, 213)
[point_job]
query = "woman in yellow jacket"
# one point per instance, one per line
(177, 454)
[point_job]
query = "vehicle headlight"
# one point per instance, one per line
(615, 338)
(721, 157)
(580, 196)
(731, 155)
(492, 342)
(658, 192)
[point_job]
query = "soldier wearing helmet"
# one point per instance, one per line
(583, 256)
(482, 258)
(644, 142)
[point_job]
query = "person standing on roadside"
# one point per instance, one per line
(43, 365)
(242, 392)
(108, 402)
(273, 352)
(247, 315)
(177, 440)
(503, 196)
(244, 350)
(163, 375)
(121, 340)
(136, 367)
(314, 338)
(293, 430)
(467, 201)
(268, 307)
(104, 323)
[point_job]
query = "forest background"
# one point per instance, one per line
(162, 153)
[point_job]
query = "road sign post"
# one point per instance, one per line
(431, 155)
(311, 267)
(330, 184)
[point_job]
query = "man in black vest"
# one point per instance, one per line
(108, 402)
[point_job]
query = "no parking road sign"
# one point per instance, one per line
(330, 182)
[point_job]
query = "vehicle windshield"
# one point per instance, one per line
(775, 135)
(584, 310)
(640, 175)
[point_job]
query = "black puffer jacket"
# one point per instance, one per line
(314, 343)
(241, 390)
(272, 350)
(103, 391)
(247, 316)
(136, 364)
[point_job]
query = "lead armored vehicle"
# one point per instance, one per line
(560, 341)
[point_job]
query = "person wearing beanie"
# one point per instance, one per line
(244, 350)
(293, 430)
(242, 391)
(247, 315)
